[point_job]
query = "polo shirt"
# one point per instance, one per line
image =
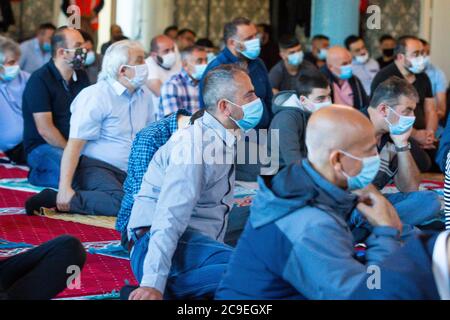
(422, 85)
(282, 80)
(47, 91)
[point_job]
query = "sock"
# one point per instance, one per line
(46, 198)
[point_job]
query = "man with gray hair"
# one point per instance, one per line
(12, 85)
(179, 218)
(105, 120)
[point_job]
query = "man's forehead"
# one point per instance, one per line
(246, 30)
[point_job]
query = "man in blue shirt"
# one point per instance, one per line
(37, 51)
(12, 85)
(46, 106)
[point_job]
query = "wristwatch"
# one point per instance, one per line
(404, 148)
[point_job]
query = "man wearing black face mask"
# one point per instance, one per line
(46, 106)
(387, 47)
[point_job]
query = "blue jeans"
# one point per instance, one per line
(198, 265)
(45, 164)
(413, 208)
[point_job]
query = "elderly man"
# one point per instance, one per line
(164, 62)
(179, 217)
(12, 85)
(46, 106)
(346, 89)
(364, 67)
(37, 51)
(105, 119)
(181, 91)
(285, 251)
(410, 64)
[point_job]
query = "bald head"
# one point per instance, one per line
(162, 45)
(338, 57)
(338, 128)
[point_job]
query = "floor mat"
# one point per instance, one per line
(96, 221)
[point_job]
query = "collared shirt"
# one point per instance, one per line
(260, 80)
(366, 72)
(343, 95)
(11, 121)
(47, 91)
(439, 82)
(32, 57)
(183, 189)
(108, 116)
(179, 92)
(147, 142)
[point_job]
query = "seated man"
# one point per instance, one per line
(46, 106)
(292, 110)
(346, 88)
(179, 217)
(185, 39)
(285, 251)
(443, 160)
(12, 85)
(387, 47)
(364, 67)
(42, 272)
(285, 73)
(181, 91)
(319, 50)
(105, 120)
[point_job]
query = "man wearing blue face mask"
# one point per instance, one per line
(285, 73)
(243, 46)
(37, 51)
(346, 88)
(105, 120)
(391, 112)
(181, 91)
(12, 85)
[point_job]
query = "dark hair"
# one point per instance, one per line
(204, 42)
(309, 80)
(230, 29)
(266, 27)
(351, 40)
(59, 40)
(170, 28)
(186, 30)
(402, 43)
(46, 26)
(424, 42)
(87, 37)
(385, 37)
(189, 50)
(320, 37)
(288, 41)
(391, 90)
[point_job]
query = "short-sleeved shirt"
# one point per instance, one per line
(47, 91)
(108, 116)
(32, 57)
(439, 82)
(11, 121)
(282, 80)
(422, 85)
(366, 72)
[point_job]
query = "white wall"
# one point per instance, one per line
(440, 35)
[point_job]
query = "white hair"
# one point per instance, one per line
(117, 55)
(8, 45)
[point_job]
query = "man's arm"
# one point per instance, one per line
(431, 116)
(69, 163)
(155, 86)
(48, 131)
(441, 98)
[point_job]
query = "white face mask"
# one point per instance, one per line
(362, 59)
(168, 60)
(140, 75)
(315, 106)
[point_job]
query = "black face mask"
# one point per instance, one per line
(389, 53)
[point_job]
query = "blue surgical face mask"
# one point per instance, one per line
(199, 71)
(346, 72)
(370, 168)
(9, 72)
(295, 59)
(90, 58)
(323, 53)
(211, 56)
(252, 49)
(46, 47)
(403, 125)
(253, 112)
(418, 65)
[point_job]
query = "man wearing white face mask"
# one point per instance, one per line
(410, 65)
(105, 119)
(181, 91)
(292, 110)
(12, 85)
(364, 67)
(163, 63)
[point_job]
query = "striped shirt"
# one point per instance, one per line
(447, 193)
(179, 92)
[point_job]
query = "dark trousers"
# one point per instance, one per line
(42, 272)
(98, 188)
(17, 155)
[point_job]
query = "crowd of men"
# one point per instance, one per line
(152, 139)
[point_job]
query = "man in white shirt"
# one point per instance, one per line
(164, 62)
(105, 120)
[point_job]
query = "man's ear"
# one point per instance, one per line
(383, 108)
(222, 106)
(335, 160)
